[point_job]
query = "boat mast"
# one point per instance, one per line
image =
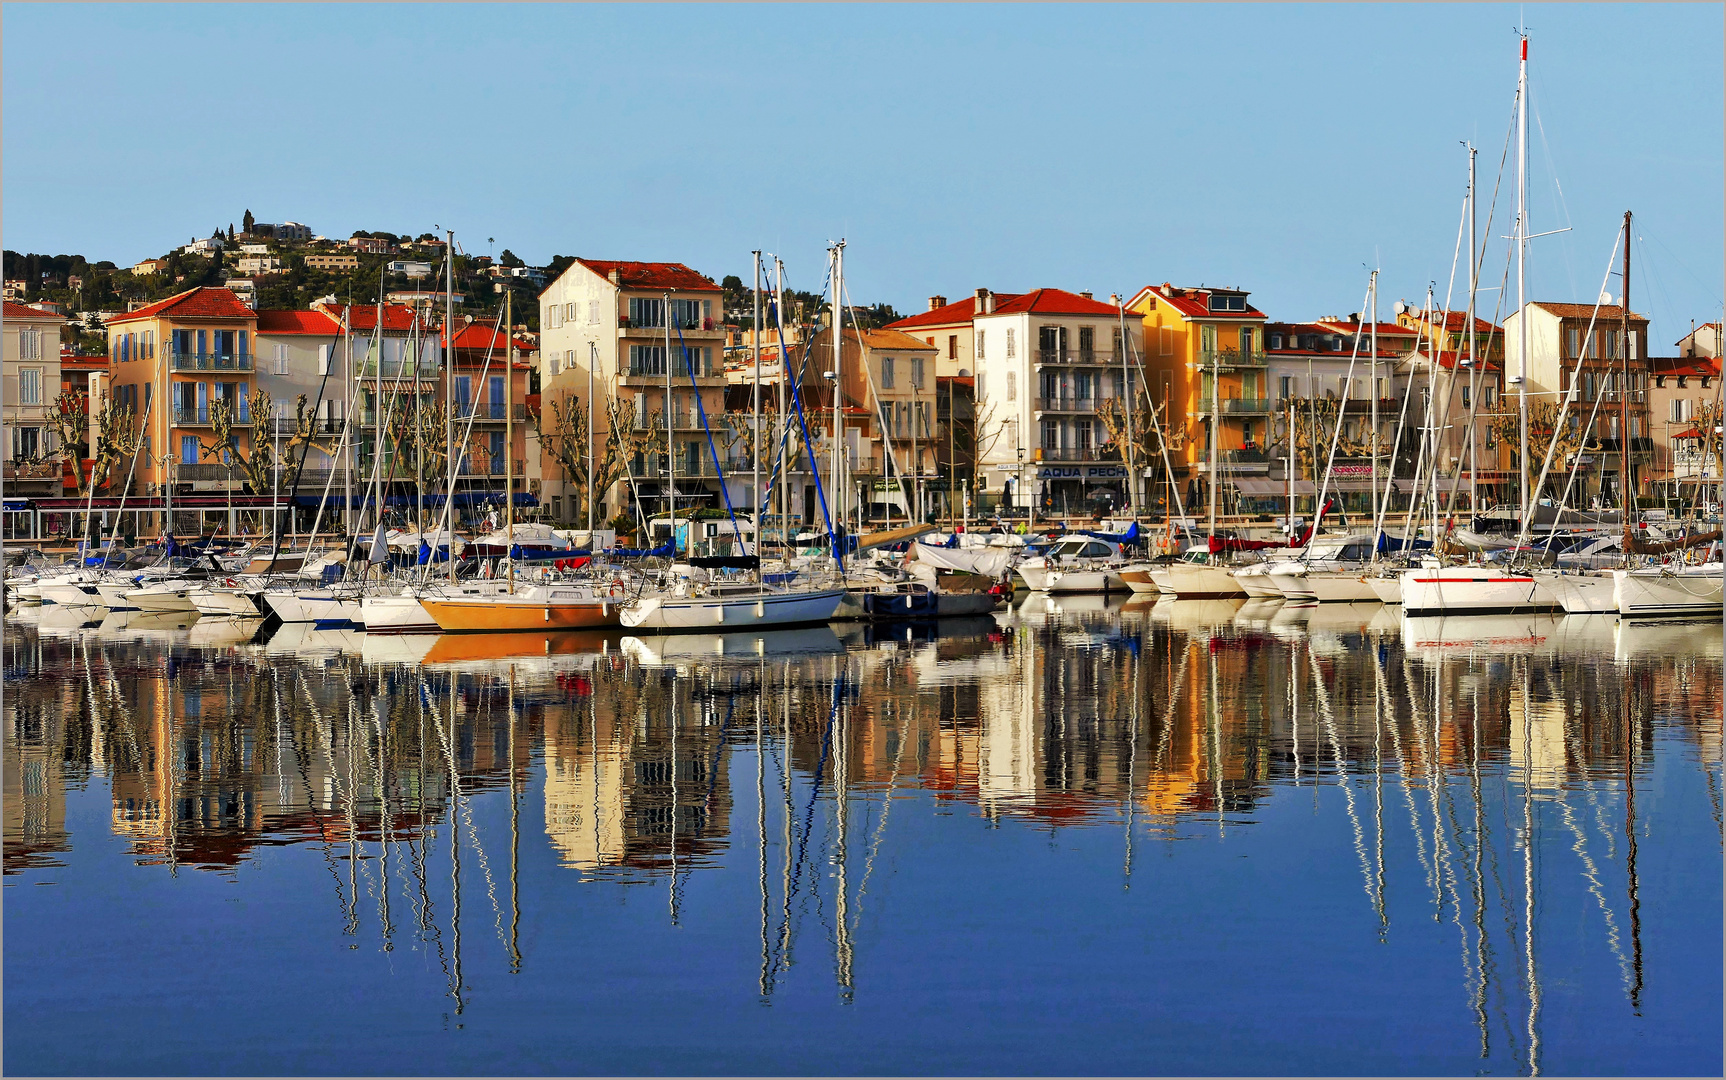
(592, 495)
(1627, 490)
(449, 393)
(414, 345)
(839, 480)
(670, 447)
(755, 479)
(1473, 356)
(348, 450)
(1129, 399)
(1211, 480)
(509, 436)
(1521, 273)
(1372, 405)
(784, 422)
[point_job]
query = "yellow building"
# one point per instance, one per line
(171, 362)
(1205, 359)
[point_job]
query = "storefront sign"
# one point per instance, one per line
(1082, 472)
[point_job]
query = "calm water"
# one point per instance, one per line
(1085, 838)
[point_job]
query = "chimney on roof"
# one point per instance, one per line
(985, 302)
(615, 276)
(1167, 289)
(1086, 295)
(937, 302)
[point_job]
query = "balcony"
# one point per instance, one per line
(649, 375)
(209, 361)
(285, 426)
(403, 368)
(652, 466)
(1231, 358)
(703, 330)
(1065, 453)
(199, 415)
(1067, 404)
(1097, 357)
(487, 411)
(473, 466)
(1247, 461)
(47, 470)
(1236, 406)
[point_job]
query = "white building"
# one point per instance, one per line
(31, 384)
(612, 318)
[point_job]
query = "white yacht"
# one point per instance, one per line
(1669, 590)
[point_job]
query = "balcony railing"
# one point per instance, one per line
(285, 426)
(209, 361)
(1068, 404)
(1245, 406)
(650, 466)
(1075, 356)
(476, 466)
(47, 470)
(397, 369)
(680, 370)
(1231, 358)
(488, 410)
(199, 415)
(1066, 453)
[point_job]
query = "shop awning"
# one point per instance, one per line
(1259, 487)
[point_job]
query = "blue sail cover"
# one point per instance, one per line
(1131, 536)
(663, 551)
(1387, 542)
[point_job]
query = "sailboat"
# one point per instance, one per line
(697, 598)
(1436, 589)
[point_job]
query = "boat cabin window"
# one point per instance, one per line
(1357, 551)
(1095, 550)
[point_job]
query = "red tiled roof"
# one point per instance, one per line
(1700, 367)
(364, 317)
(1454, 320)
(959, 313)
(652, 275)
(298, 322)
(1194, 303)
(1053, 302)
(478, 337)
(24, 311)
(1344, 326)
(203, 302)
(1329, 329)
(1605, 313)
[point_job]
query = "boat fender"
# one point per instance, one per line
(616, 588)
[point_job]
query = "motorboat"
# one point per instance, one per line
(323, 606)
(164, 594)
(1080, 564)
(1329, 571)
(1195, 576)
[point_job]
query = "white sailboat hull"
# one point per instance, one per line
(1341, 587)
(402, 614)
(1581, 594)
(740, 613)
(1388, 588)
(1657, 593)
(224, 602)
(1472, 590)
(319, 606)
(1256, 582)
(113, 594)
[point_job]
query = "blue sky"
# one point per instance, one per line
(1279, 148)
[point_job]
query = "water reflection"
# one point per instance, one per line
(1477, 771)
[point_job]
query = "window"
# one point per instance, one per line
(952, 346)
(1081, 434)
(1465, 397)
(1246, 341)
(982, 394)
(1087, 342)
(1012, 386)
(1225, 302)
(1009, 343)
(1051, 435)
(569, 311)
(1120, 349)
(887, 372)
(494, 394)
(923, 418)
(980, 344)
(554, 317)
(324, 359)
(1572, 342)
(1276, 341)
(1165, 341)
(1208, 341)
(917, 372)
(281, 359)
(1287, 381)
(29, 344)
(29, 386)
(463, 389)
(188, 449)
(646, 311)
(646, 360)
(685, 315)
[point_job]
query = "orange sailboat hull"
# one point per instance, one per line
(457, 615)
